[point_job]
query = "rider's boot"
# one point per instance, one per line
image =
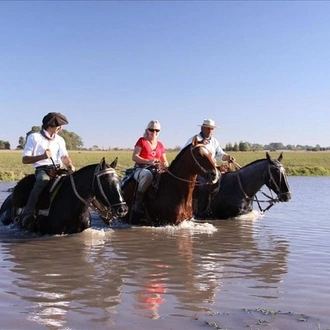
(28, 217)
(138, 203)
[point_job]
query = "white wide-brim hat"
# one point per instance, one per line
(209, 123)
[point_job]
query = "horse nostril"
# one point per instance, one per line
(123, 210)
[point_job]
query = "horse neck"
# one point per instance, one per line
(181, 175)
(181, 168)
(252, 176)
(83, 181)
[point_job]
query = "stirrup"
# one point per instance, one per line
(28, 221)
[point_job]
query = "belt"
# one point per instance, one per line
(46, 167)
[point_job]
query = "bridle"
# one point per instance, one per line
(197, 183)
(104, 211)
(271, 200)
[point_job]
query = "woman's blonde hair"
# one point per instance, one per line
(152, 124)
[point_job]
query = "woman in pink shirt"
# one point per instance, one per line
(148, 153)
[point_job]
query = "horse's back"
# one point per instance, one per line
(22, 190)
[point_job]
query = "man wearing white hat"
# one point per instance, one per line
(206, 137)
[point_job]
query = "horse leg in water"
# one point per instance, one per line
(203, 196)
(6, 211)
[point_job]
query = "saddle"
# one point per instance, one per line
(152, 190)
(129, 175)
(23, 188)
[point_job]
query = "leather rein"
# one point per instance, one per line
(97, 206)
(271, 200)
(197, 183)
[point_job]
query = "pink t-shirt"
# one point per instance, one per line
(147, 152)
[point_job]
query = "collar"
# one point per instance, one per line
(205, 138)
(46, 135)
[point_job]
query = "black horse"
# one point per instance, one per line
(65, 210)
(236, 191)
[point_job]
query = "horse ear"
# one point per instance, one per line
(194, 141)
(268, 156)
(280, 157)
(114, 163)
(102, 163)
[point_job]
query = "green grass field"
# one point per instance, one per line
(296, 163)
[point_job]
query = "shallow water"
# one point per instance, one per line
(266, 271)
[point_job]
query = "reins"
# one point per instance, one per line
(271, 200)
(97, 206)
(197, 183)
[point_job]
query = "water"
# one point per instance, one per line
(266, 271)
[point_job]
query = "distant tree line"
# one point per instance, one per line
(273, 146)
(74, 142)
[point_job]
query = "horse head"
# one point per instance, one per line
(109, 200)
(276, 178)
(204, 161)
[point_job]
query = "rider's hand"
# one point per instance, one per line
(71, 168)
(48, 154)
(155, 162)
(230, 159)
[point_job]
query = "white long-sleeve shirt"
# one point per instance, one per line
(213, 146)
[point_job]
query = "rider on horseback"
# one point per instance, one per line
(46, 150)
(148, 153)
(206, 137)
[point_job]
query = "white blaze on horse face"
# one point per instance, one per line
(206, 151)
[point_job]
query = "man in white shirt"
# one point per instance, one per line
(44, 149)
(206, 137)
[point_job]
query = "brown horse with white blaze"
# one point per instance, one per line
(169, 199)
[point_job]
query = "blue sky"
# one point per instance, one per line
(260, 69)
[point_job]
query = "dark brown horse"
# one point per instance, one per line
(169, 199)
(233, 195)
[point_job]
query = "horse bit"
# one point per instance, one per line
(271, 200)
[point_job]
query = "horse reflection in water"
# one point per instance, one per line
(122, 276)
(236, 191)
(63, 282)
(202, 268)
(94, 186)
(169, 200)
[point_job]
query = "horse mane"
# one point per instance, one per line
(255, 161)
(273, 161)
(180, 155)
(86, 167)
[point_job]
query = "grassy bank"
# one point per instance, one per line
(296, 163)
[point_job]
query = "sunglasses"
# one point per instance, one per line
(153, 130)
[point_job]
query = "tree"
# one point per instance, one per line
(276, 146)
(244, 146)
(72, 140)
(21, 143)
(4, 145)
(229, 147)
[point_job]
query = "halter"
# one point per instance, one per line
(96, 205)
(271, 200)
(193, 156)
(197, 183)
